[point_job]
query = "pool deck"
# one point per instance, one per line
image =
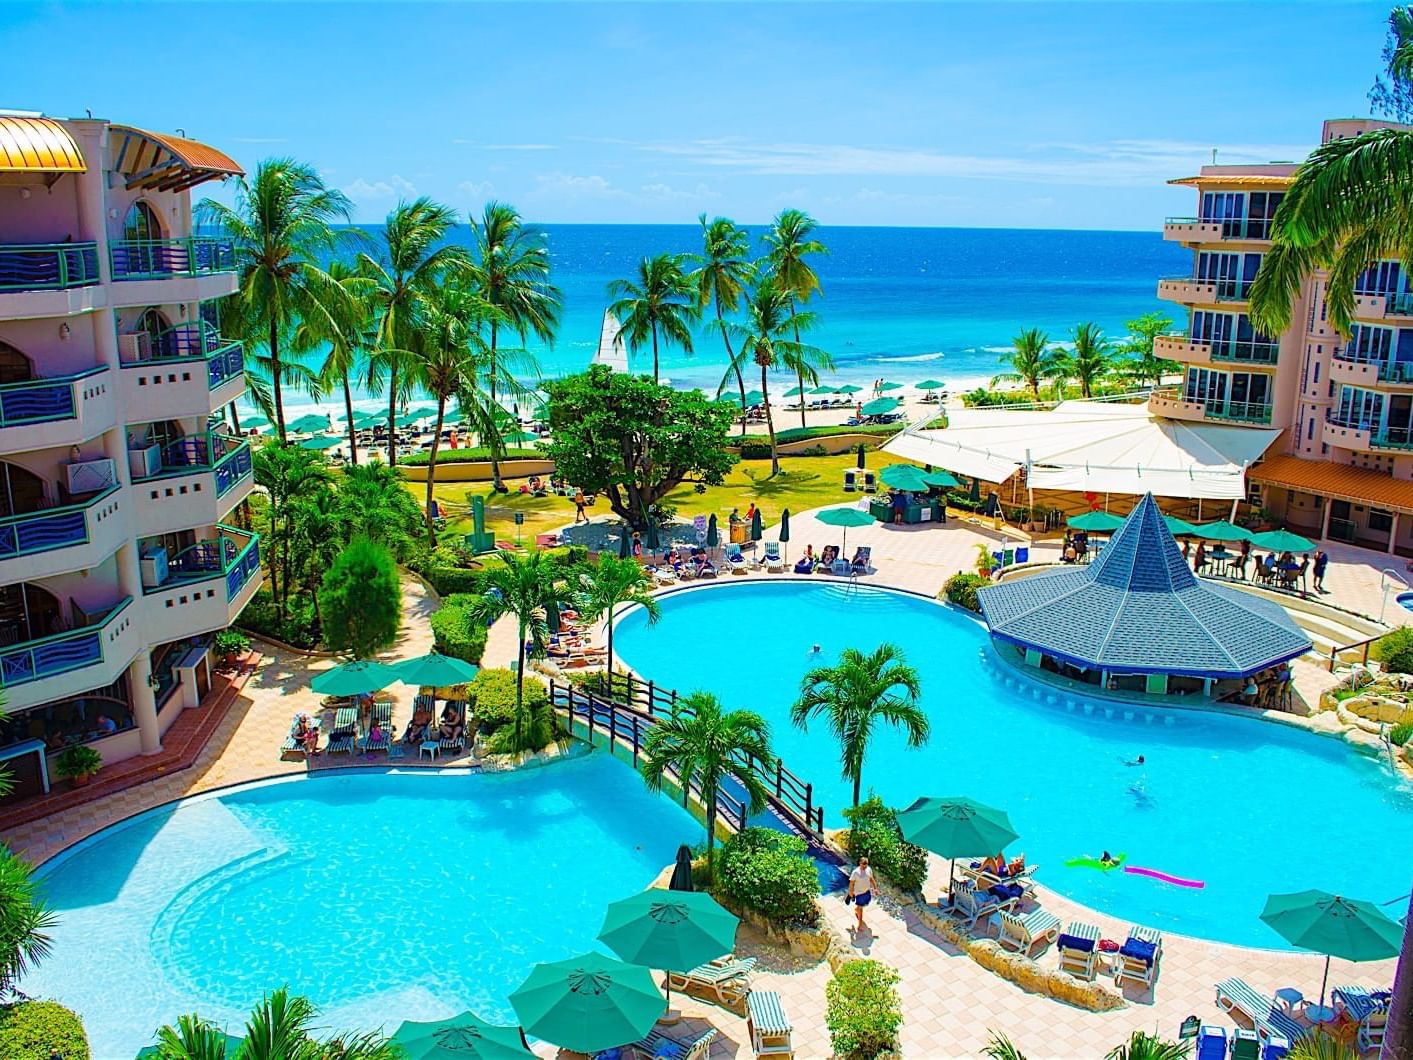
(950, 1003)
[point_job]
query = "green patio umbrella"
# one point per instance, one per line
(849, 388)
(354, 678)
(908, 477)
(1347, 928)
(588, 1003)
(1282, 541)
(845, 518)
(671, 930)
(1095, 522)
(463, 1037)
(408, 420)
(713, 534)
(1222, 530)
(785, 530)
(309, 424)
(321, 441)
(753, 397)
(757, 526)
(424, 412)
(885, 387)
(879, 406)
(941, 479)
(252, 422)
(1179, 527)
(930, 384)
(822, 389)
(795, 391)
(956, 827)
(435, 669)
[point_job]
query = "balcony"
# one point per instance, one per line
(65, 664)
(58, 411)
(1349, 368)
(1197, 290)
(193, 481)
(1193, 230)
(49, 541)
(1394, 308)
(1252, 412)
(48, 279)
(185, 371)
(153, 271)
(1172, 404)
(207, 587)
(1365, 435)
(1244, 352)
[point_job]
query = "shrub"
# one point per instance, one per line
(1395, 650)
(1400, 733)
(449, 580)
(754, 450)
(964, 502)
(361, 600)
(874, 834)
(231, 642)
(864, 1012)
(770, 873)
(298, 628)
(538, 732)
(961, 589)
(77, 760)
(465, 456)
(37, 1030)
(492, 697)
(456, 633)
(568, 555)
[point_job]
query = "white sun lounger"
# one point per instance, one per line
(1235, 995)
(1077, 961)
(1024, 933)
(768, 1025)
(1135, 969)
(728, 980)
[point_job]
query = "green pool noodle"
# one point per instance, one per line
(1095, 863)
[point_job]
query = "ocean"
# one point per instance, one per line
(902, 304)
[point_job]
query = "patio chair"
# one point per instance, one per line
(771, 558)
(735, 560)
(1211, 1043)
(851, 480)
(1235, 995)
(1371, 1030)
(726, 979)
(768, 1025)
(1275, 1049)
(382, 742)
(1024, 933)
(870, 482)
(344, 733)
(863, 555)
(457, 742)
(1079, 950)
(657, 1044)
(970, 906)
(827, 556)
(1245, 1045)
(1359, 1001)
(1138, 957)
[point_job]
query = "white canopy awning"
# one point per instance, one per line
(1092, 446)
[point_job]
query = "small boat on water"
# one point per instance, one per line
(611, 350)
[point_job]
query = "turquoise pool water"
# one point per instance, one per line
(382, 896)
(1247, 806)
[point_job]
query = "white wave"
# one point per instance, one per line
(997, 349)
(915, 357)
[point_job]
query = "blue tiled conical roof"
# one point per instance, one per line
(1138, 608)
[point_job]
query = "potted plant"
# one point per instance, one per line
(230, 645)
(77, 763)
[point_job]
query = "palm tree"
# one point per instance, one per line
(287, 474)
(856, 694)
(372, 502)
(788, 240)
(414, 258)
(661, 304)
(1030, 360)
(281, 227)
(1142, 366)
(511, 272)
(278, 1029)
(765, 338)
(724, 271)
(347, 340)
(699, 740)
(610, 583)
(25, 921)
(1140, 1046)
(1089, 361)
(524, 587)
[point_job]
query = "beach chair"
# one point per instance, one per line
(870, 482)
(458, 742)
(1275, 1048)
(771, 558)
(1371, 1031)
(863, 555)
(293, 742)
(1235, 995)
(344, 733)
(1211, 1043)
(1245, 1045)
(1079, 950)
(970, 907)
(727, 979)
(1358, 1001)
(768, 1025)
(657, 1045)
(1024, 933)
(827, 556)
(735, 560)
(1138, 956)
(382, 742)
(851, 480)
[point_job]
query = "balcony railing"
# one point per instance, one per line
(1226, 290)
(188, 342)
(48, 528)
(234, 555)
(60, 653)
(1389, 371)
(1395, 304)
(1392, 438)
(1238, 411)
(1241, 351)
(40, 400)
(1232, 227)
(155, 259)
(48, 266)
(228, 457)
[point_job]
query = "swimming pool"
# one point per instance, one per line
(1248, 806)
(382, 896)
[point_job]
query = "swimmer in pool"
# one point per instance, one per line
(1135, 762)
(1107, 860)
(815, 650)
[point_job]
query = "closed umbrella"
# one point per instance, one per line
(785, 531)
(463, 1037)
(1222, 530)
(682, 871)
(904, 477)
(435, 669)
(956, 827)
(354, 678)
(879, 406)
(1282, 541)
(1347, 928)
(651, 539)
(757, 527)
(713, 535)
(845, 518)
(625, 541)
(861, 453)
(588, 1003)
(671, 930)
(1095, 522)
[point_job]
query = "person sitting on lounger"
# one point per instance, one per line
(417, 727)
(995, 865)
(451, 727)
(828, 556)
(804, 565)
(375, 732)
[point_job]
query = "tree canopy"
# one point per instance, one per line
(360, 600)
(635, 441)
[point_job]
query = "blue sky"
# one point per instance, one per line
(998, 114)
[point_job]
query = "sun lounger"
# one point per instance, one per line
(970, 906)
(1234, 995)
(772, 559)
(1276, 1047)
(1359, 1001)
(862, 555)
(1371, 1030)
(381, 742)
(1138, 957)
(1024, 933)
(657, 1044)
(827, 557)
(768, 1025)
(1079, 950)
(851, 480)
(293, 742)
(1211, 1043)
(735, 560)
(457, 742)
(728, 980)
(344, 733)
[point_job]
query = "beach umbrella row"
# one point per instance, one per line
(320, 442)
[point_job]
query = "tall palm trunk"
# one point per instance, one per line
(1398, 1036)
(495, 461)
(235, 418)
(769, 423)
(352, 431)
(654, 351)
(609, 668)
(520, 684)
(801, 366)
(709, 799)
(432, 466)
(392, 415)
(275, 374)
(731, 360)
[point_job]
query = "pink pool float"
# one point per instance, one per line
(1139, 870)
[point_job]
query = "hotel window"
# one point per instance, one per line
(1205, 385)
(1360, 409)
(1261, 212)
(1317, 372)
(1369, 344)
(1232, 274)
(1310, 429)
(1382, 277)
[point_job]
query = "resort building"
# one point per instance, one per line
(1342, 468)
(118, 487)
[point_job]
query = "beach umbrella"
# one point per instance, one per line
(1095, 522)
(956, 827)
(671, 930)
(463, 1037)
(844, 518)
(435, 669)
(930, 384)
(309, 424)
(588, 1003)
(908, 477)
(424, 412)
(522, 436)
(757, 527)
(713, 535)
(408, 420)
(354, 678)
(682, 870)
(321, 441)
(753, 397)
(1179, 527)
(625, 541)
(785, 530)
(822, 389)
(848, 388)
(941, 479)
(232, 1046)
(1222, 530)
(795, 391)
(884, 387)
(252, 422)
(1282, 541)
(878, 406)
(1347, 928)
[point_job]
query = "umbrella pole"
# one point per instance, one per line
(1325, 981)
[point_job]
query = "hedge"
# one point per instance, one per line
(863, 1013)
(961, 589)
(799, 434)
(37, 1030)
(769, 873)
(423, 457)
(298, 628)
(456, 633)
(492, 698)
(1395, 650)
(449, 580)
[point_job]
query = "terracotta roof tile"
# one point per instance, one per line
(1341, 481)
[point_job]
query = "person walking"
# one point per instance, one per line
(861, 885)
(1322, 561)
(580, 503)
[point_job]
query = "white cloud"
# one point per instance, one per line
(477, 190)
(570, 185)
(364, 192)
(667, 193)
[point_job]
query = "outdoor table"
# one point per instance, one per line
(1290, 998)
(431, 747)
(1318, 1014)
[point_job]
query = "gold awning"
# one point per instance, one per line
(158, 162)
(1248, 180)
(36, 149)
(1342, 482)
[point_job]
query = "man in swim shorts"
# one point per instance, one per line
(861, 884)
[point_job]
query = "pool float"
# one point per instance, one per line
(1138, 870)
(1095, 863)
